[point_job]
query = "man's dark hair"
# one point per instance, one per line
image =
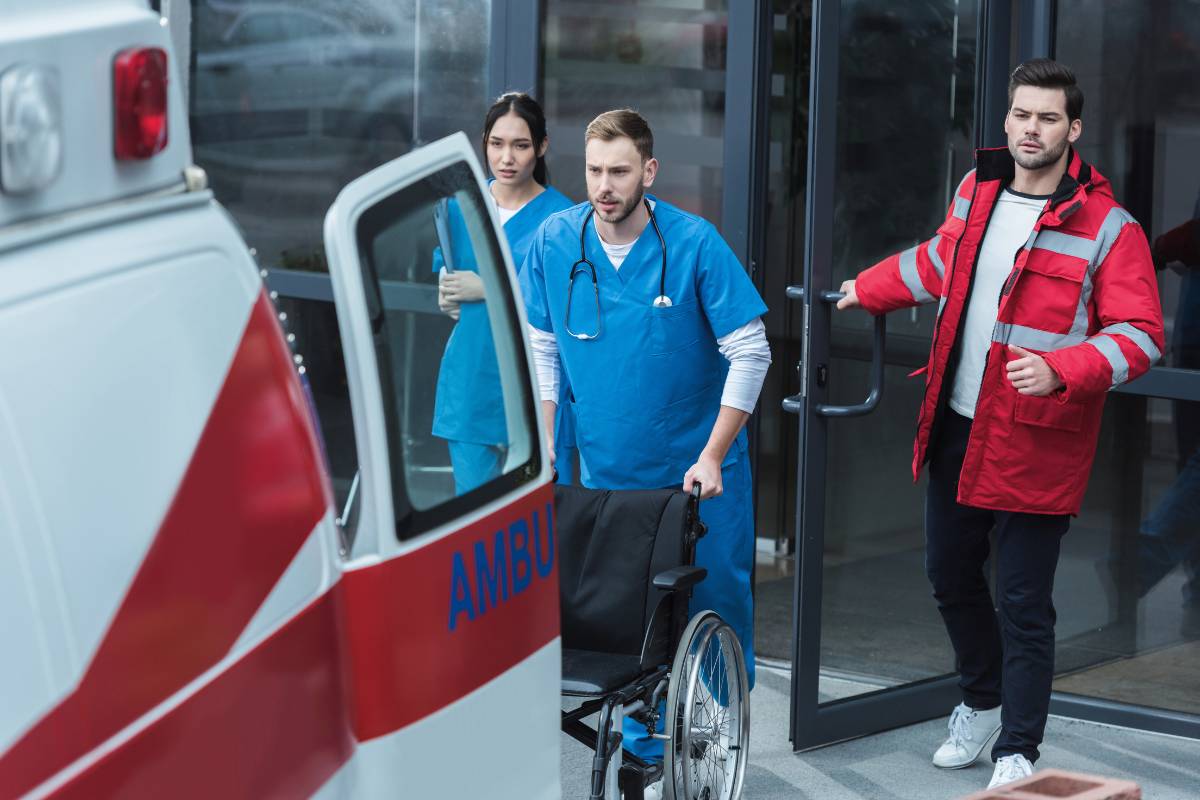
(1046, 73)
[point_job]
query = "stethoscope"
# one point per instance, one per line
(662, 301)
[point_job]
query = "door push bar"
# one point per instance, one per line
(795, 403)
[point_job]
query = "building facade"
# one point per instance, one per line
(819, 136)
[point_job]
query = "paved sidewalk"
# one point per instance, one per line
(895, 765)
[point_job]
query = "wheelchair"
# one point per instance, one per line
(626, 572)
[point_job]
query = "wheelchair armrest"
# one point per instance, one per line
(678, 578)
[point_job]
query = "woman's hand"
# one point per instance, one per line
(461, 287)
(449, 308)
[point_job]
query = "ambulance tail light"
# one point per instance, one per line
(140, 103)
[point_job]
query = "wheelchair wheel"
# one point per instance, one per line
(708, 714)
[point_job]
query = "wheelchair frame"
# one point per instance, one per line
(644, 693)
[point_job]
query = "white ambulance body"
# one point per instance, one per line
(183, 610)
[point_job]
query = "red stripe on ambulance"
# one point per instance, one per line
(221, 548)
(279, 722)
(407, 659)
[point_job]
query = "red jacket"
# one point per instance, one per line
(1082, 293)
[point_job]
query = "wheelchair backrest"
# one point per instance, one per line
(611, 545)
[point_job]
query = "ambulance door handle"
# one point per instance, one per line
(794, 404)
(876, 393)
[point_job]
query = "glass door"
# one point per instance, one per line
(891, 104)
(1128, 589)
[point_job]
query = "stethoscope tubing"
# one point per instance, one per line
(660, 301)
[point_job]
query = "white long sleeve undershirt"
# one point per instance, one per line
(746, 349)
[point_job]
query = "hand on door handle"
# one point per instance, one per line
(850, 297)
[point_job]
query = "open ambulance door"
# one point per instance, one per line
(450, 584)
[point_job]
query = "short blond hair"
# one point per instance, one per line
(622, 122)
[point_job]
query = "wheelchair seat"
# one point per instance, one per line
(587, 673)
(612, 544)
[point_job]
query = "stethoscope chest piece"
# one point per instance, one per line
(662, 301)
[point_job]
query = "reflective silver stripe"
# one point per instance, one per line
(1093, 251)
(1032, 338)
(1080, 324)
(963, 182)
(941, 305)
(1032, 238)
(1114, 223)
(1135, 335)
(1109, 348)
(938, 266)
(962, 206)
(911, 278)
(1067, 245)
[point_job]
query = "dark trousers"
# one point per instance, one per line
(1004, 652)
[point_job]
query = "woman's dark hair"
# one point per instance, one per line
(529, 110)
(1046, 73)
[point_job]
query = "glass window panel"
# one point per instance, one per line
(905, 114)
(1127, 594)
(456, 396)
(1128, 583)
(664, 58)
(290, 102)
(783, 262)
(1141, 128)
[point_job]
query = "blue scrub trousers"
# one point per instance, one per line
(727, 552)
(474, 464)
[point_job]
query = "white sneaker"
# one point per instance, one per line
(1009, 769)
(654, 791)
(970, 732)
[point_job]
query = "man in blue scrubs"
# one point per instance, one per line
(665, 358)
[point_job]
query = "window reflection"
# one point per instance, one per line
(454, 380)
(665, 58)
(291, 101)
(1128, 585)
(1139, 66)
(1129, 591)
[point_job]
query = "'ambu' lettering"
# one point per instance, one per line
(501, 566)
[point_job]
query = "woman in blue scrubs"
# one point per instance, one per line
(468, 412)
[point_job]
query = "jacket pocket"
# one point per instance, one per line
(1052, 265)
(1048, 412)
(1047, 293)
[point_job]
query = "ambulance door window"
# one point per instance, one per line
(456, 393)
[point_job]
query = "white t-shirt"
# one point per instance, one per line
(506, 214)
(1009, 229)
(617, 252)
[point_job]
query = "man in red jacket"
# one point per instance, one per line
(1047, 298)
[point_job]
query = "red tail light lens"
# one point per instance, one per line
(140, 103)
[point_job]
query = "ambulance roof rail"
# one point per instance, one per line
(60, 106)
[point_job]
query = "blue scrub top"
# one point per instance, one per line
(648, 390)
(468, 406)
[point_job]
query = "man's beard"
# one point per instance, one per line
(626, 208)
(1039, 160)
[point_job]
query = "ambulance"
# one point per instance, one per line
(189, 606)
